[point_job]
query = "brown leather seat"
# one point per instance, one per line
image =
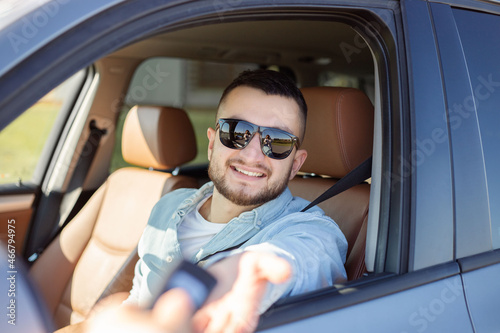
(339, 136)
(78, 266)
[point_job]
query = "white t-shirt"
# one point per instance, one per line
(195, 231)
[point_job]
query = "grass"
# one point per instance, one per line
(22, 142)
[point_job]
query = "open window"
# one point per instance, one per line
(319, 46)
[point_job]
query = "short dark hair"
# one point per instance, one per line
(271, 83)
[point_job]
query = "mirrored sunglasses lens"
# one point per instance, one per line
(235, 134)
(243, 133)
(276, 144)
(224, 135)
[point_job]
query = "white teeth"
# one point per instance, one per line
(248, 173)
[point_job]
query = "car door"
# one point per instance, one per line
(469, 53)
(425, 291)
(42, 183)
(27, 146)
(454, 97)
(414, 283)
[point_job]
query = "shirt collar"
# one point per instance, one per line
(260, 216)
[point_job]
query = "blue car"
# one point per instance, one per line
(92, 90)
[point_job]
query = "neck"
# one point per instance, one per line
(218, 209)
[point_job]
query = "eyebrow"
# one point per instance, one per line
(286, 129)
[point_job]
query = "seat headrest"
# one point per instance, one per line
(158, 137)
(339, 130)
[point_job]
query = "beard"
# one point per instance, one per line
(241, 198)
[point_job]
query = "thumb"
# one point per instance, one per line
(174, 310)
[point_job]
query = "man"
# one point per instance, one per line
(173, 311)
(254, 150)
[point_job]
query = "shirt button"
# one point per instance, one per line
(259, 222)
(170, 259)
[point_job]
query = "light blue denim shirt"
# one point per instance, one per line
(311, 241)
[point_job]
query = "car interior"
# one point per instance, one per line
(154, 99)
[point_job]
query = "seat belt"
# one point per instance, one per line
(82, 167)
(353, 178)
(75, 184)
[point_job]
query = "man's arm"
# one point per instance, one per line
(315, 259)
(242, 279)
(232, 306)
(171, 313)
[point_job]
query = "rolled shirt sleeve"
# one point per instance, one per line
(313, 245)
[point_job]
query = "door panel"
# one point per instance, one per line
(15, 214)
(435, 307)
(27, 146)
(481, 110)
(483, 296)
(429, 162)
(470, 72)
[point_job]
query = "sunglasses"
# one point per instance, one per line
(274, 143)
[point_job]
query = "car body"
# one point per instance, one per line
(430, 69)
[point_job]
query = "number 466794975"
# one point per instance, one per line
(11, 249)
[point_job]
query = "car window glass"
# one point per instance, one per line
(333, 79)
(478, 32)
(28, 138)
(195, 86)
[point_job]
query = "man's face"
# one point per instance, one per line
(247, 177)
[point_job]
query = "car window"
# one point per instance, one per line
(482, 53)
(194, 86)
(27, 142)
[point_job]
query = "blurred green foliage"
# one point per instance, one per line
(22, 142)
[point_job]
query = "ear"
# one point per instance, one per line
(298, 160)
(211, 140)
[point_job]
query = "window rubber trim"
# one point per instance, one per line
(479, 261)
(315, 303)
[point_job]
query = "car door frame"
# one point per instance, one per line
(479, 260)
(401, 272)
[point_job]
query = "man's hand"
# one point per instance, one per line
(171, 313)
(233, 305)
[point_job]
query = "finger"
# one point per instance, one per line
(173, 310)
(273, 268)
(218, 316)
(233, 313)
(201, 318)
(245, 323)
(257, 268)
(200, 322)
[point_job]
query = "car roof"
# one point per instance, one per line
(289, 43)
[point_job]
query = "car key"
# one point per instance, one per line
(196, 281)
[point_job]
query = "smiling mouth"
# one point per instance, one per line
(249, 173)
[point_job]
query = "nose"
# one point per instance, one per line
(253, 152)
